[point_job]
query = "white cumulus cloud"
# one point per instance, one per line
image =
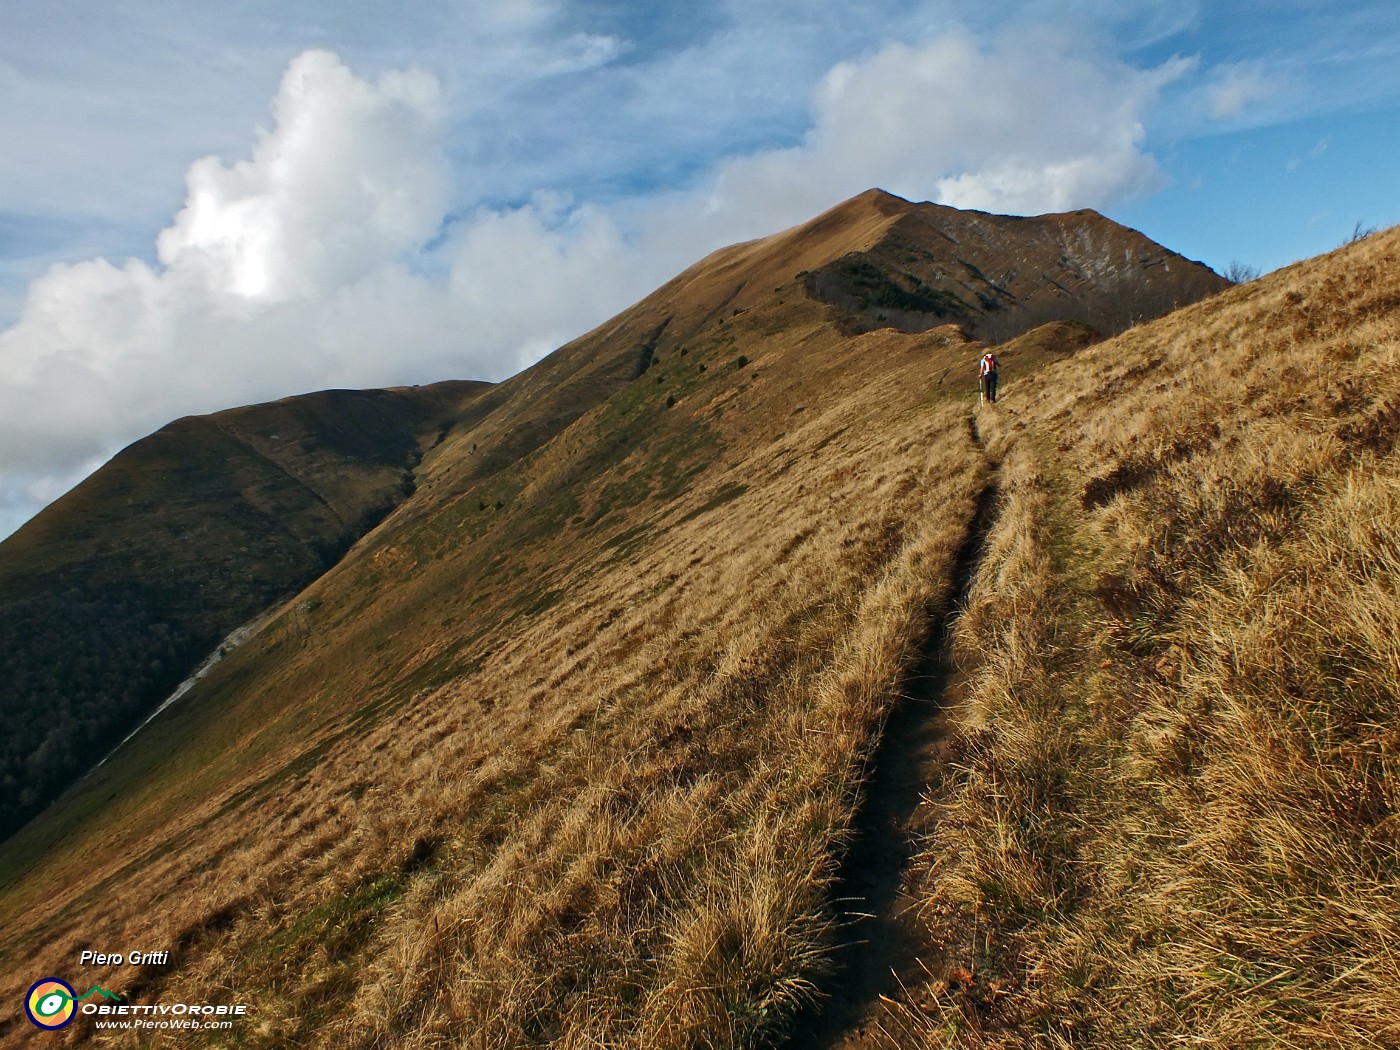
(350, 175)
(1030, 123)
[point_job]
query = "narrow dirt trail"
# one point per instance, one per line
(879, 946)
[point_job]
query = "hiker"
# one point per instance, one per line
(988, 377)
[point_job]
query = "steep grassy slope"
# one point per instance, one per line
(1174, 814)
(111, 596)
(521, 767)
(568, 749)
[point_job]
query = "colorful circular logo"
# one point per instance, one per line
(49, 1003)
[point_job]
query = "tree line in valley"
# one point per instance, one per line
(80, 666)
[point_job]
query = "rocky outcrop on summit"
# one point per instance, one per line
(999, 276)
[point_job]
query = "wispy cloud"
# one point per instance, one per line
(1236, 87)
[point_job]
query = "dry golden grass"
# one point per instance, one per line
(614, 821)
(1175, 814)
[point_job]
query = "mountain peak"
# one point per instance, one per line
(884, 262)
(881, 200)
(918, 266)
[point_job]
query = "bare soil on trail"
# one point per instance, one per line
(882, 948)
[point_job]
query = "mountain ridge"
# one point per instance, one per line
(731, 280)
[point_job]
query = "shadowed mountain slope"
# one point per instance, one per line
(567, 749)
(110, 596)
(999, 276)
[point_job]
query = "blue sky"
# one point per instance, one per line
(207, 205)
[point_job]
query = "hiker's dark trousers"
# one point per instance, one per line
(989, 386)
